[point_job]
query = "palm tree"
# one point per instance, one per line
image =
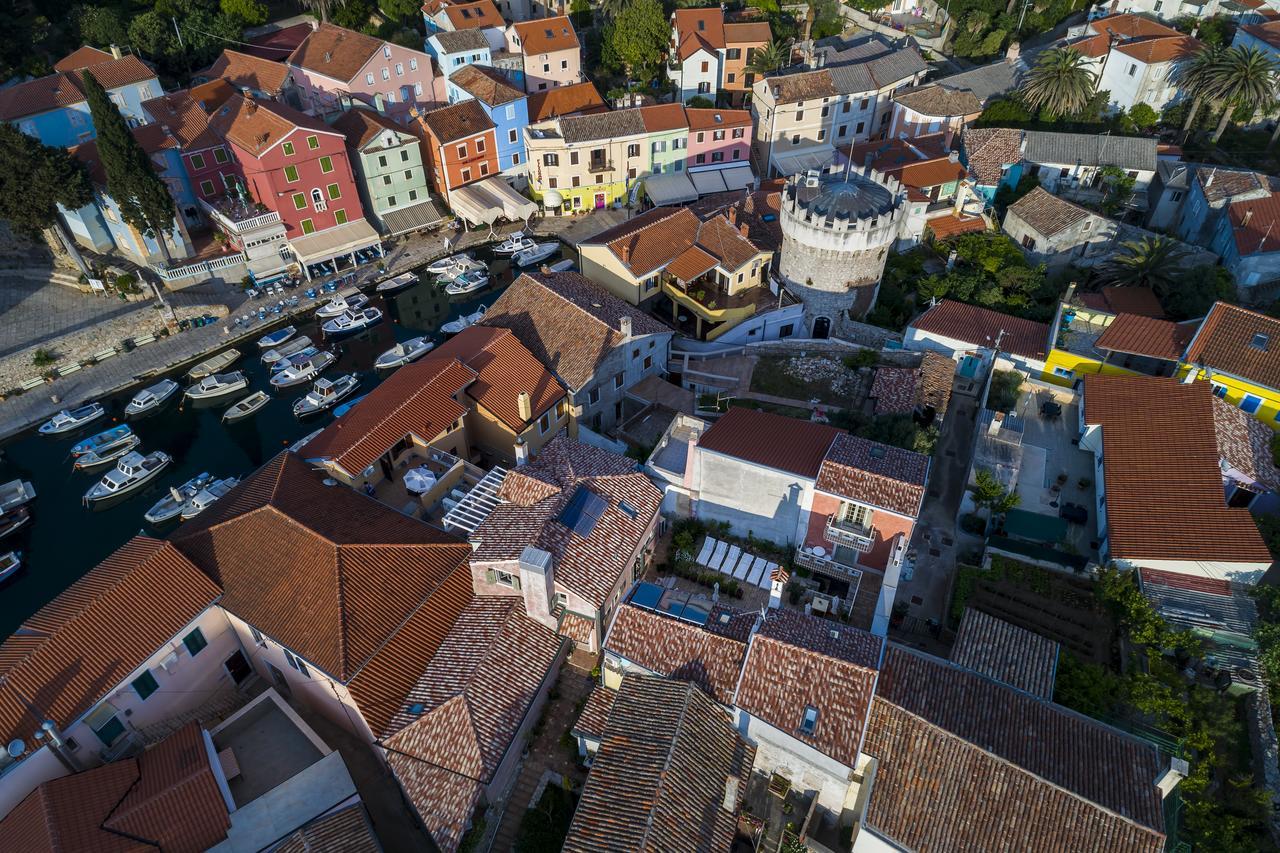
(611, 9)
(322, 7)
(1247, 78)
(1154, 262)
(1060, 83)
(771, 57)
(1197, 78)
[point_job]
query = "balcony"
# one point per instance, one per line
(238, 218)
(857, 537)
(828, 564)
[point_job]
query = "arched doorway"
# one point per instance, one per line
(822, 327)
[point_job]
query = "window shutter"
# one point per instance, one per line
(490, 575)
(515, 582)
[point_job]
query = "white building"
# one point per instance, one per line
(1134, 58)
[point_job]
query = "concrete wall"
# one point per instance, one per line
(629, 359)
(754, 500)
(807, 768)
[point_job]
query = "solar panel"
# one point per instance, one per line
(582, 512)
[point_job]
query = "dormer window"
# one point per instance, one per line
(1260, 341)
(809, 720)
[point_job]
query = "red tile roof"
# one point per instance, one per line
(678, 649)
(595, 713)
(546, 35)
(245, 71)
(1131, 26)
(576, 99)
(466, 16)
(361, 126)
(255, 125)
(663, 117)
(1225, 343)
(1256, 224)
(1011, 655)
(1268, 32)
(183, 116)
(82, 57)
(747, 32)
(874, 473)
(277, 45)
(1163, 339)
(698, 29)
(64, 88)
(337, 53)
(774, 441)
(487, 85)
(982, 327)
(457, 121)
(344, 831)
(1159, 50)
(504, 369)
(709, 119)
(1245, 444)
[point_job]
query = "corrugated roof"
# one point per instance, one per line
(983, 327)
(1011, 655)
(1228, 342)
(773, 441)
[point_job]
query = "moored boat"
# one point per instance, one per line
(213, 364)
(297, 358)
(304, 371)
(565, 265)
(169, 506)
(13, 521)
(207, 496)
(218, 385)
(70, 420)
(98, 458)
(246, 407)
(339, 305)
(403, 353)
(151, 398)
(294, 347)
(455, 326)
(325, 394)
(352, 322)
(16, 493)
(276, 338)
(517, 242)
(10, 564)
(130, 474)
(103, 441)
(539, 252)
(469, 282)
(395, 285)
(348, 406)
(443, 265)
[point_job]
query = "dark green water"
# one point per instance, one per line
(64, 540)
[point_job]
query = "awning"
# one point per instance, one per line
(490, 200)
(335, 241)
(708, 182)
(738, 177)
(803, 161)
(402, 220)
(675, 188)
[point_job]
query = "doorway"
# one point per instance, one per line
(278, 679)
(237, 667)
(822, 327)
(599, 201)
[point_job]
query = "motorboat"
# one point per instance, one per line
(218, 385)
(468, 282)
(539, 252)
(444, 265)
(10, 564)
(98, 458)
(403, 353)
(169, 506)
(397, 284)
(562, 266)
(304, 371)
(340, 305)
(348, 406)
(455, 326)
(212, 365)
(16, 493)
(13, 521)
(130, 474)
(352, 322)
(276, 338)
(207, 496)
(325, 394)
(517, 242)
(294, 347)
(297, 358)
(246, 407)
(103, 441)
(151, 398)
(70, 420)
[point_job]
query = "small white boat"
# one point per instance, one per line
(10, 564)
(305, 371)
(246, 407)
(210, 366)
(103, 441)
(395, 285)
(294, 347)
(16, 493)
(468, 282)
(517, 242)
(352, 322)
(98, 458)
(151, 398)
(325, 394)
(297, 358)
(13, 521)
(403, 353)
(539, 252)
(218, 385)
(206, 497)
(562, 266)
(339, 305)
(276, 338)
(66, 421)
(130, 474)
(443, 265)
(169, 506)
(455, 326)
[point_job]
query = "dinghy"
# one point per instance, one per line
(294, 347)
(103, 441)
(276, 338)
(98, 458)
(246, 407)
(210, 366)
(455, 326)
(397, 284)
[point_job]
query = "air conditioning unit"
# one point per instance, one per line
(170, 663)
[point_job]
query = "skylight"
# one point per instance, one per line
(809, 722)
(627, 508)
(1260, 341)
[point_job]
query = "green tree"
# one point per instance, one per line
(352, 15)
(34, 179)
(322, 9)
(990, 492)
(1060, 82)
(1198, 78)
(1154, 262)
(1196, 289)
(640, 37)
(143, 198)
(770, 58)
(1143, 116)
(579, 10)
(101, 25)
(405, 12)
(248, 13)
(1247, 78)
(701, 102)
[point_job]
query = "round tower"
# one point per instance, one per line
(837, 229)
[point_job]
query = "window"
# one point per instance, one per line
(795, 139)
(110, 731)
(287, 148)
(617, 380)
(546, 68)
(386, 74)
(317, 199)
(368, 79)
(593, 397)
(648, 362)
(633, 150)
(700, 159)
(1251, 403)
(717, 156)
(299, 201)
(1176, 196)
(861, 127)
(197, 161)
(1260, 342)
(408, 174)
(382, 161)
(484, 168)
(843, 129)
(731, 77)
(739, 133)
(1133, 66)
(404, 155)
(737, 154)
(257, 636)
(296, 663)
(504, 579)
(326, 164)
(1028, 242)
(552, 183)
(809, 720)
(291, 174)
(391, 201)
(340, 217)
(515, 159)
(573, 158)
(562, 408)
(413, 195)
(1063, 372)
(544, 423)
(220, 155)
(462, 151)
(386, 180)
(884, 119)
(826, 110)
(399, 69)
(576, 181)
(308, 227)
(551, 159)
(413, 65)
(480, 146)
(1219, 391)
(466, 175)
(144, 685)
(513, 136)
(705, 67)
(386, 51)
(206, 188)
(417, 90)
(334, 192)
(313, 142)
(195, 642)
(822, 134)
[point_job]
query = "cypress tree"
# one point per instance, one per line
(34, 179)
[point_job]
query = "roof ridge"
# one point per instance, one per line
(666, 762)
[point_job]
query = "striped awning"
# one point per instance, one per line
(402, 220)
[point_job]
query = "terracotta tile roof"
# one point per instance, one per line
(937, 375)
(1011, 655)
(1268, 32)
(936, 99)
(588, 127)
(183, 116)
(648, 241)
(894, 390)
(747, 32)
(1048, 215)
(419, 399)
(79, 646)
(576, 627)
(690, 264)
(568, 322)
(537, 493)
(663, 117)
(982, 326)
(595, 714)
(717, 237)
(710, 119)
(1224, 185)
(698, 29)
(1130, 27)
(989, 149)
(946, 227)
(249, 72)
(1158, 50)
(65, 815)
(323, 570)
(63, 89)
(152, 137)
(360, 126)
(1094, 46)
(457, 121)
(967, 762)
(774, 441)
(758, 210)
(577, 98)
(459, 41)
(255, 125)
(805, 86)
(1133, 300)
(1129, 333)
(546, 35)
(486, 85)
(209, 96)
(122, 72)
(337, 53)
(874, 473)
(1158, 508)
(504, 369)
(445, 801)
(82, 57)
(1225, 343)
(345, 831)
(1256, 224)
(1244, 443)
(465, 16)
(278, 44)
(678, 649)
(669, 760)
(931, 174)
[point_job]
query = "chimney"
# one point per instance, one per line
(115, 52)
(523, 406)
(777, 583)
(626, 253)
(730, 803)
(733, 214)
(522, 452)
(1071, 291)
(538, 585)
(251, 104)
(624, 326)
(997, 421)
(742, 229)
(1208, 182)
(1244, 223)
(1169, 779)
(1011, 54)
(953, 156)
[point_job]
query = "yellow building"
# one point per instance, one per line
(1106, 333)
(582, 163)
(1238, 352)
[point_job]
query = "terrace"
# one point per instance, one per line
(425, 482)
(712, 308)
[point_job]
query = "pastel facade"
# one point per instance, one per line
(462, 147)
(708, 56)
(505, 105)
(388, 160)
(718, 139)
(550, 51)
(454, 50)
(580, 163)
(335, 68)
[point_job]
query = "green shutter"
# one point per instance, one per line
(145, 685)
(490, 575)
(195, 642)
(515, 581)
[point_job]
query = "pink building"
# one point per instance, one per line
(718, 139)
(552, 56)
(334, 68)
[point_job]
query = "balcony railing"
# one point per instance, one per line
(827, 565)
(238, 218)
(856, 537)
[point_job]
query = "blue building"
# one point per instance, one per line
(505, 104)
(456, 49)
(993, 156)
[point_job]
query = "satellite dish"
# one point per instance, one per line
(16, 748)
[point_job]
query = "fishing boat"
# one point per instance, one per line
(294, 347)
(130, 474)
(296, 358)
(455, 326)
(403, 353)
(339, 305)
(443, 265)
(218, 385)
(70, 420)
(246, 407)
(13, 521)
(468, 282)
(348, 406)
(325, 394)
(212, 365)
(517, 242)
(397, 284)
(562, 266)
(151, 398)
(206, 497)
(169, 506)
(304, 371)
(276, 338)
(10, 564)
(98, 458)
(539, 252)
(103, 441)
(352, 322)
(16, 493)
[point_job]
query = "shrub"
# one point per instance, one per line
(46, 357)
(862, 358)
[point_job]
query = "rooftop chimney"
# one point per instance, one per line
(953, 156)
(733, 214)
(777, 583)
(626, 253)
(997, 421)
(115, 52)
(522, 452)
(523, 406)
(1248, 214)
(1169, 779)
(538, 584)
(624, 326)
(742, 229)
(1208, 181)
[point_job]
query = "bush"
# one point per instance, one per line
(862, 358)
(47, 357)
(974, 524)
(545, 825)
(1003, 396)
(127, 284)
